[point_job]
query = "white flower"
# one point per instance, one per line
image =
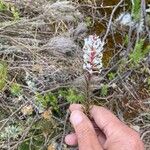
(92, 49)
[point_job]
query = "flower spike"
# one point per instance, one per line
(92, 56)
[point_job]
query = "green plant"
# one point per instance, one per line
(71, 95)
(16, 89)
(15, 13)
(11, 8)
(139, 52)
(88, 21)
(48, 99)
(36, 144)
(2, 5)
(111, 75)
(74, 97)
(104, 90)
(11, 132)
(39, 130)
(3, 75)
(51, 98)
(136, 9)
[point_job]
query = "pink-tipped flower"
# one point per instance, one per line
(92, 56)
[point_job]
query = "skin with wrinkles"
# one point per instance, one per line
(110, 133)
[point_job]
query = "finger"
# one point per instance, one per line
(105, 120)
(101, 138)
(100, 134)
(71, 139)
(117, 134)
(76, 107)
(86, 136)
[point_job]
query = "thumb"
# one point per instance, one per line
(86, 136)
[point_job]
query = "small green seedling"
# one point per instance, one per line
(104, 90)
(16, 89)
(111, 76)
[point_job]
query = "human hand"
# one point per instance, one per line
(111, 133)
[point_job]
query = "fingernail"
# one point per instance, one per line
(76, 117)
